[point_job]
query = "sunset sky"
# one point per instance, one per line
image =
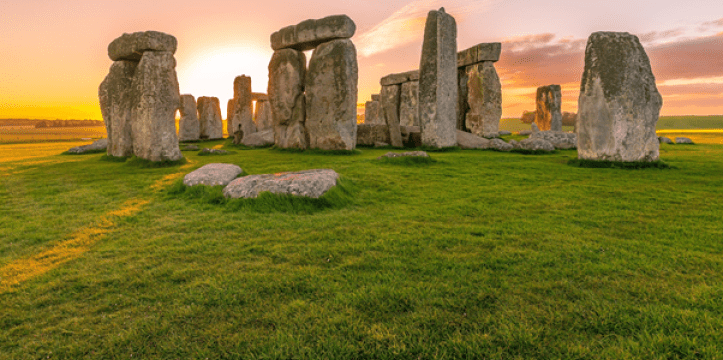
(54, 53)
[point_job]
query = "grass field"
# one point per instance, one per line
(477, 255)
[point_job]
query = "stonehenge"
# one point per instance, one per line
(619, 102)
(189, 128)
(209, 116)
(242, 116)
(548, 115)
(140, 95)
(314, 108)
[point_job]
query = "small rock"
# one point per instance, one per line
(683, 140)
(309, 183)
(212, 175)
(500, 145)
(505, 133)
(408, 153)
(190, 148)
(664, 140)
(207, 151)
(536, 144)
(559, 139)
(101, 144)
(467, 140)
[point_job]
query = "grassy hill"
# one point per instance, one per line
(478, 255)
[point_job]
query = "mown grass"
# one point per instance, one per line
(480, 255)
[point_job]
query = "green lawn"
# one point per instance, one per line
(477, 255)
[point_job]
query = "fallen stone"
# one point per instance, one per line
(500, 145)
(683, 140)
(309, 34)
(209, 117)
(370, 134)
(536, 144)
(309, 183)
(560, 140)
(189, 128)
(98, 145)
(400, 78)
(548, 115)
(207, 151)
(409, 104)
(619, 103)
(243, 108)
(331, 96)
(438, 81)
(212, 175)
(287, 70)
(391, 97)
(466, 140)
(404, 154)
(505, 132)
(484, 100)
(259, 138)
(664, 140)
(190, 148)
(479, 53)
(132, 46)
(117, 104)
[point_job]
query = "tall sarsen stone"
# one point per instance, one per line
(188, 126)
(117, 107)
(287, 70)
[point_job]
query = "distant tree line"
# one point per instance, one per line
(568, 118)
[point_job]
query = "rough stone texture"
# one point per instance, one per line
(400, 78)
(466, 140)
(534, 128)
(117, 106)
(438, 81)
(505, 132)
(559, 139)
(209, 116)
(548, 115)
(243, 108)
(259, 138)
(515, 144)
(101, 144)
(373, 113)
(411, 136)
(462, 105)
(189, 128)
(409, 104)
(370, 134)
(619, 103)
(309, 34)
(309, 183)
(155, 89)
(664, 140)
(212, 175)
(536, 144)
(683, 140)
(405, 154)
(262, 116)
(287, 70)
(484, 100)
(479, 53)
(391, 98)
(501, 145)
(524, 132)
(331, 96)
(209, 151)
(230, 109)
(259, 97)
(132, 46)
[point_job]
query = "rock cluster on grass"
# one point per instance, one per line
(405, 154)
(683, 140)
(140, 96)
(309, 183)
(212, 175)
(548, 115)
(536, 144)
(97, 145)
(560, 140)
(664, 140)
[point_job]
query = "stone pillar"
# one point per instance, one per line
(189, 128)
(230, 109)
(438, 81)
(331, 96)
(619, 103)
(264, 120)
(117, 107)
(243, 107)
(391, 98)
(484, 100)
(372, 113)
(548, 115)
(408, 105)
(209, 116)
(287, 70)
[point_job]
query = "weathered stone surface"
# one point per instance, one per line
(484, 100)
(462, 105)
(438, 81)
(500, 145)
(331, 96)
(559, 139)
(287, 70)
(230, 109)
(190, 148)
(409, 104)
(373, 112)
(189, 128)
(515, 144)
(376, 97)
(132, 46)
(259, 97)
(309, 183)
(664, 140)
(259, 138)
(212, 175)
(117, 106)
(405, 154)
(209, 116)
(619, 103)
(505, 132)
(548, 115)
(155, 88)
(264, 120)
(243, 108)
(466, 140)
(370, 134)
(411, 136)
(683, 140)
(479, 53)
(98, 145)
(391, 98)
(536, 144)
(209, 151)
(309, 34)
(400, 78)
(534, 128)
(524, 132)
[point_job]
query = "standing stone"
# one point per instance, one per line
(373, 112)
(230, 109)
(438, 81)
(264, 120)
(548, 115)
(117, 107)
(462, 102)
(391, 98)
(155, 88)
(619, 103)
(408, 105)
(287, 70)
(189, 128)
(243, 108)
(209, 115)
(484, 99)
(331, 96)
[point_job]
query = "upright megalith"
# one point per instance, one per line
(243, 108)
(189, 128)
(309, 34)
(484, 100)
(209, 116)
(548, 115)
(287, 70)
(372, 112)
(619, 102)
(331, 95)
(391, 98)
(262, 115)
(408, 104)
(438, 81)
(140, 96)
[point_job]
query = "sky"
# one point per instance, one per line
(54, 53)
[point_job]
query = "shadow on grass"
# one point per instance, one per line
(143, 163)
(604, 164)
(340, 196)
(533, 152)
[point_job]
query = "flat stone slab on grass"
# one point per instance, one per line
(683, 140)
(536, 144)
(308, 183)
(207, 151)
(408, 154)
(664, 140)
(101, 144)
(212, 175)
